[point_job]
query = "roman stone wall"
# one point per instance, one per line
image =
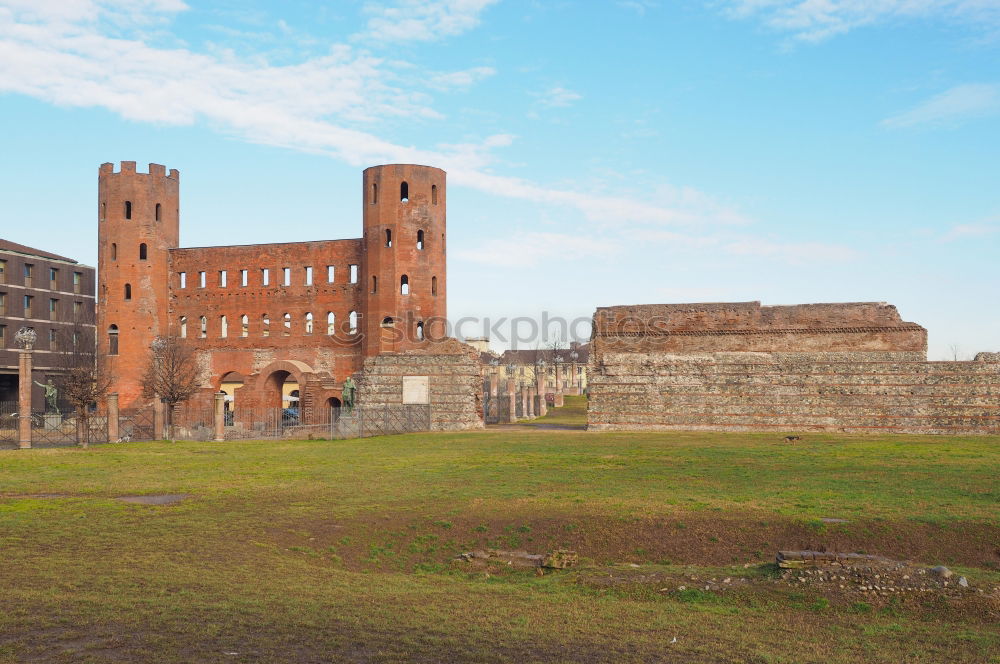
(453, 380)
(851, 368)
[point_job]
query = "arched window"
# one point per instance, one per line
(223, 327)
(352, 321)
(113, 340)
(420, 240)
(244, 325)
(404, 285)
(184, 327)
(114, 251)
(434, 194)
(203, 327)
(374, 284)
(142, 251)
(387, 321)
(420, 331)
(434, 285)
(374, 193)
(128, 209)
(265, 326)
(309, 323)
(331, 323)
(286, 325)
(388, 237)
(128, 291)
(404, 192)
(157, 211)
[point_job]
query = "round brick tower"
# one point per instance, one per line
(403, 264)
(138, 221)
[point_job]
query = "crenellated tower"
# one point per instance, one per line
(138, 222)
(403, 261)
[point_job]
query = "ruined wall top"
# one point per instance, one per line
(692, 327)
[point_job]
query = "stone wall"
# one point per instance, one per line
(453, 377)
(790, 373)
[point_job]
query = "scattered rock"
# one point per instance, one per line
(941, 571)
(962, 581)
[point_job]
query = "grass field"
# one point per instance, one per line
(317, 551)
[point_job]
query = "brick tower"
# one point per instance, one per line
(138, 221)
(403, 260)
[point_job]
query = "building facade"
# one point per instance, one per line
(277, 324)
(52, 294)
(561, 367)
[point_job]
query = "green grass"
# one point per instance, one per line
(343, 550)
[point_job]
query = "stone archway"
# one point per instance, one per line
(272, 379)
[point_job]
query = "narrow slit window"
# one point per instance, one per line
(374, 193)
(354, 274)
(157, 211)
(309, 323)
(184, 326)
(143, 254)
(420, 331)
(265, 326)
(404, 192)
(420, 240)
(287, 325)
(352, 322)
(434, 194)
(128, 209)
(114, 251)
(434, 285)
(265, 276)
(203, 327)
(244, 277)
(388, 237)
(329, 274)
(374, 284)
(404, 285)
(287, 274)
(309, 276)
(128, 291)
(113, 340)
(184, 279)
(104, 211)
(223, 327)
(201, 280)
(331, 323)
(223, 279)
(244, 326)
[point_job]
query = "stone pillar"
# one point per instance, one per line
(494, 384)
(24, 399)
(542, 408)
(529, 411)
(220, 416)
(158, 419)
(559, 386)
(113, 414)
(512, 401)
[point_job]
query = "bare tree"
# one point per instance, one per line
(171, 375)
(83, 382)
(956, 352)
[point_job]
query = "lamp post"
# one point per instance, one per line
(543, 408)
(25, 338)
(511, 394)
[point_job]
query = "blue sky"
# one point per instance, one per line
(598, 153)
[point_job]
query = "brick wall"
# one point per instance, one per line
(790, 373)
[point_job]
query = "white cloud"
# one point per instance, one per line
(326, 105)
(460, 79)
(816, 20)
(743, 244)
(638, 6)
(559, 97)
(959, 103)
(531, 248)
(421, 20)
(963, 231)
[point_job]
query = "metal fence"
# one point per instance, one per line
(496, 409)
(332, 423)
(65, 429)
(8, 423)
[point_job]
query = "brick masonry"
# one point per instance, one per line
(854, 367)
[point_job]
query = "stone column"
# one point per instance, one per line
(529, 411)
(158, 419)
(559, 402)
(512, 400)
(542, 409)
(113, 414)
(220, 416)
(24, 398)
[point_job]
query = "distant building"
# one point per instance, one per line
(572, 360)
(52, 294)
(482, 344)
